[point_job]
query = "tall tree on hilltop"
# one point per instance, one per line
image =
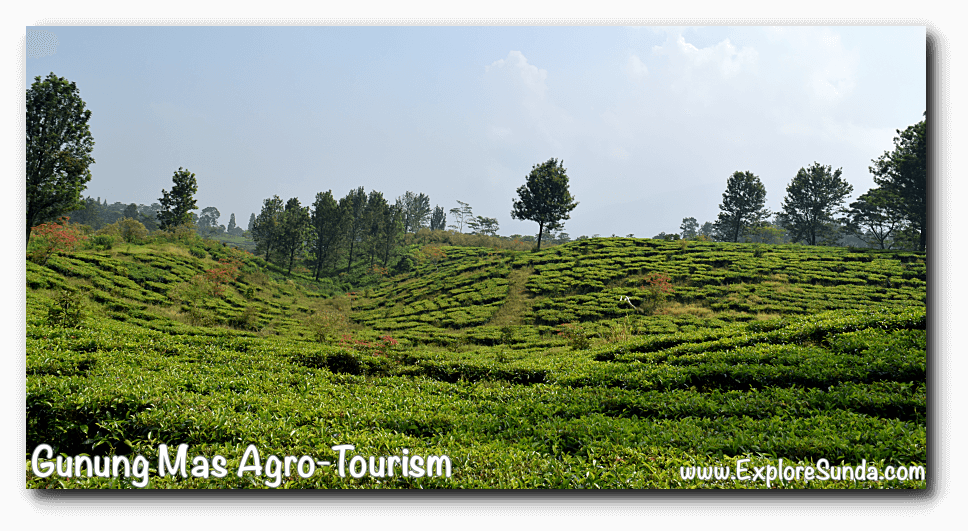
(462, 214)
(177, 206)
(265, 228)
(438, 220)
(689, 228)
(354, 205)
(327, 223)
(59, 146)
(813, 197)
(545, 198)
(293, 225)
(392, 228)
(415, 209)
(903, 172)
(374, 219)
(743, 206)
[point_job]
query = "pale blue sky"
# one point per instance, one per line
(650, 122)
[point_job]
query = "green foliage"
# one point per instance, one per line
(51, 238)
(177, 206)
(743, 206)
(800, 353)
(67, 309)
(545, 198)
(813, 197)
(902, 173)
(59, 146)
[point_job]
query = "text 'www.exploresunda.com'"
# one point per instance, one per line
(822, 471)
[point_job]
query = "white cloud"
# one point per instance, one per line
(635, 69)
(517, 67)
(723, 58)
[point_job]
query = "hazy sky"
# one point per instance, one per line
(649, 122)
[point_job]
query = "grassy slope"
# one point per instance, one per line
(792, 352)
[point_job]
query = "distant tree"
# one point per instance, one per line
(374, 220)
(666, 237)
(743, 206)
(438, 220)
(327, 231)
(415, 209)
(874, 218)
(89, 214)
(251, 221)
(903, 173)
(265, 228)
(689, 228)
(208, 220)
(293, 225)
(813, 197)
(59, 146)
(461, 214)
(545, 198)
(766, 232)
(392, 229)
(131, 211)
(354, 205)
(177, 206)
(707, 229)
(483, 225)
(232, 226)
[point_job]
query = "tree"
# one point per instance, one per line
(813, 197)
(59, 146)
(375, 215)
(415, 209)
(743, 206)
(327, 230)
(707, 229)
(208, 220)
(873, 218)
(293, 224)
(131, 211)
(177, 206)
(483, 225)
(689, 228)
(462, 214)
(903, 173)
(438, 220)
(354, 205)
(232, 226)
(265, 228)
(392, 228)
(545, 198)
(251, 221)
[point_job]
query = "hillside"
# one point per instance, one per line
(565, 368)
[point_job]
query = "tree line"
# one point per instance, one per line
(365, 227)
(891, 215)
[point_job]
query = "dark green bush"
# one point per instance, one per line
(67, 311)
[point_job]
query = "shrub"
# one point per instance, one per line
(132, 230)
(576, 336)
(102, 242)
(67, 310)
(657, 287)
(51, 238)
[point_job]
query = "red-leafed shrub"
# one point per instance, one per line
(50, 238)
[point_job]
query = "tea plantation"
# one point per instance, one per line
(564, 368)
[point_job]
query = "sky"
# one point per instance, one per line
(649, 121)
